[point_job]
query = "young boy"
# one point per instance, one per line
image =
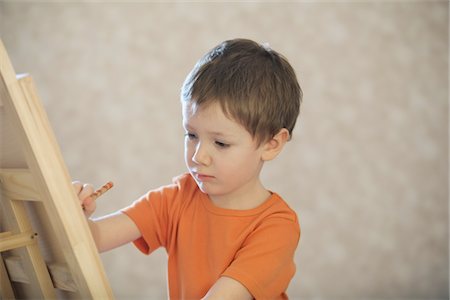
(227, 237)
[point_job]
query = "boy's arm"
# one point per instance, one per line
(228, 288)
(110, 231)
(113, 230)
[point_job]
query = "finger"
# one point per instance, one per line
(87, 202)
(86, 191)
(77, 186)
(89, 206)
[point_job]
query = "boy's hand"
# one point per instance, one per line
(84, 191)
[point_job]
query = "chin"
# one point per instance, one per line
(207, 190)
(202, 187)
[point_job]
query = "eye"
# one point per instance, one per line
(190, 136)
(221, 144)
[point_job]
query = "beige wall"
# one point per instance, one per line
(367, 169)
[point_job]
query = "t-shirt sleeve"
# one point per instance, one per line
(149, 213)
(265, 263)
(156, 213)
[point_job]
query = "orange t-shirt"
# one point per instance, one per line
(204, 242)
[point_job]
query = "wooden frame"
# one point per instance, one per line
(46, 248)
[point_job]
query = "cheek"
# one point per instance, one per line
(241, 162)
(187, 151)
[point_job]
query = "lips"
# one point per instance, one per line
(202, 177)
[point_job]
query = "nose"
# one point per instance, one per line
(201, 155)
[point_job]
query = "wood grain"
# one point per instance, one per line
(39, 173)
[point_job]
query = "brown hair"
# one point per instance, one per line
(255, 85)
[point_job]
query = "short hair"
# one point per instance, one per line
(254, 85)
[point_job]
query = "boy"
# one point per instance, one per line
(226, 236)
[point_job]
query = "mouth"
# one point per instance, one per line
(202, 177)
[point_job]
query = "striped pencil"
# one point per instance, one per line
(102, 190)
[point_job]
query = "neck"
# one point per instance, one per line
(249, 198)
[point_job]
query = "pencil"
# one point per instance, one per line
(102, 190)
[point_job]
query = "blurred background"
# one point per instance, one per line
(366, 170)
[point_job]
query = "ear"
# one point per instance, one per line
(274, 146)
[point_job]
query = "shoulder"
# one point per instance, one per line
(181, 184)
(155, 212)
(182, 187)
(273, 224)
(279, 211)
(277, 225)
(184, 182)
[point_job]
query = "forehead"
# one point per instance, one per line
(209, 117)
(191, 112)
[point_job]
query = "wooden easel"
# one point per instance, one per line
(46, 249)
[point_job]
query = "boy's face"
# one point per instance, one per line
(220, 154)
